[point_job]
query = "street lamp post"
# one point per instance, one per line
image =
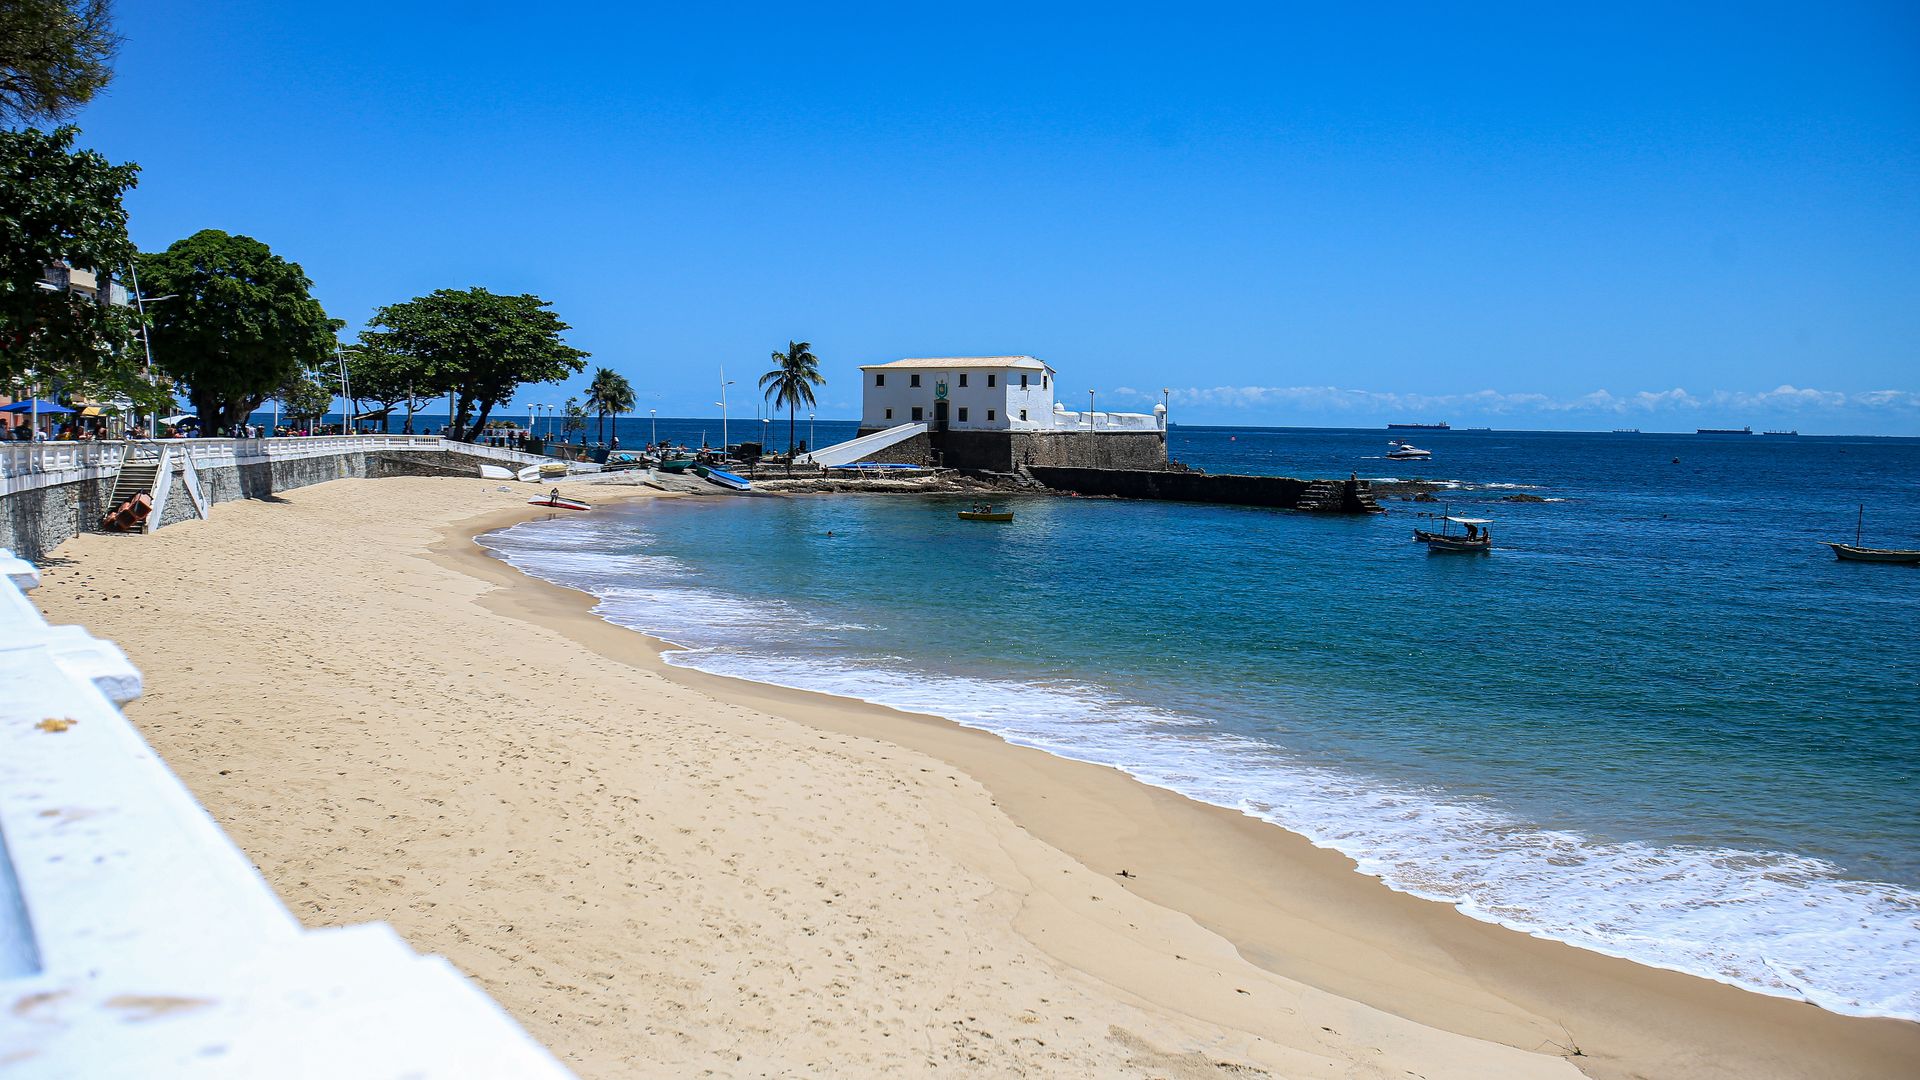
(724, 383)
(146, 340)
(1092, 417)
(654, 416)
(811, 444)
(1166, 408)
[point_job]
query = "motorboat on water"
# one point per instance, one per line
(1398, 450)
(1474, 538)
(986, 512)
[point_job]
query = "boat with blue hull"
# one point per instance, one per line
(724, 478)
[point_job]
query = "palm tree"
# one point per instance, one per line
(791, 384)
(609, 392)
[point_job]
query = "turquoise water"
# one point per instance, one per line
(1660, 722)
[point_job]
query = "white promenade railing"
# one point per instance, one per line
(26, 466)
(137, 940)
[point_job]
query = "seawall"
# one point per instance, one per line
(1280, 492)
(52, 492)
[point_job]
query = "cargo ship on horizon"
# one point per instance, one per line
(1443, 426)
(1723, 431)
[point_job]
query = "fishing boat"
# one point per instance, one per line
(675, 465)
(1406, 451)
(985, 512)
(1855, 553)
(722, 477)
(1476, 539)
(558, 502)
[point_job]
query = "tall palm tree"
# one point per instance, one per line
(609, 392)
(791, 383)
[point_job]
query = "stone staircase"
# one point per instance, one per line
(1331, 497)
(136, 476)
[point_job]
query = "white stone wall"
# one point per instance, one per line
(1005, 398)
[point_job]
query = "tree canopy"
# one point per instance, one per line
(62, 208)
(242, 324)
(795, 373)
(609, 392)
(55, 55)
(477, 345)
(377, 374)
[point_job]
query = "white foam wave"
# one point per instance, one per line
(1774, 922)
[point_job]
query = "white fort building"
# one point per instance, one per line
(992, 413)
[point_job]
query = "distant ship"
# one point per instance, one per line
(1723, 431)
(1626, 431)
(1779, 433)
(1419, 427)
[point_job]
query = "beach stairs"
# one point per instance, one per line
(1339, 497)
(135, 477)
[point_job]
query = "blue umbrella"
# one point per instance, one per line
(30, 406)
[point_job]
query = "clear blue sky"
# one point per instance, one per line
(1489, 214)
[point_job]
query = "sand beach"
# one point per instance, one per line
(663, 872)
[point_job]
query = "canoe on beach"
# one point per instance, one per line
(558, 502)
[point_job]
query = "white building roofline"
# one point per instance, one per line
(962, 362)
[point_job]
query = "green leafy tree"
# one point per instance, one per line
(609, 392)
(243, 323)
(796, 372)
(386, 379)
(55, 55)
(477, 345)
(306, 396)
(576, 420)
(62, 208)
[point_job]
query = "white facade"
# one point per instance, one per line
(976, 393)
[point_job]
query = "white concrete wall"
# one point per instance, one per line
(137, 940)
(1005, 398)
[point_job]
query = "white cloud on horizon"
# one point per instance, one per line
(1781, 399)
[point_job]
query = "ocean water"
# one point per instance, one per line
(1660, 722)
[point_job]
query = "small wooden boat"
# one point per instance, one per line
(724, 478)
(1477, 539)
(1850, 553)
(1855, 553)
(675, 465)
(986, 513)
(558, 502)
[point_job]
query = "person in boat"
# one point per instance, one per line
(1473, 532)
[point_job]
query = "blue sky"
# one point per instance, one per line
(1628, 216)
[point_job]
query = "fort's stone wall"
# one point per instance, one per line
(1004, 451)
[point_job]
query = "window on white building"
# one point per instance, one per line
(989, 380)
(963, 378)
(1023, 414)
(1043, 382)
(879, 378)
(919, 413)
(1023, 380)
(989, 411)
(889, 414)
(913, 379)
(963, 411)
